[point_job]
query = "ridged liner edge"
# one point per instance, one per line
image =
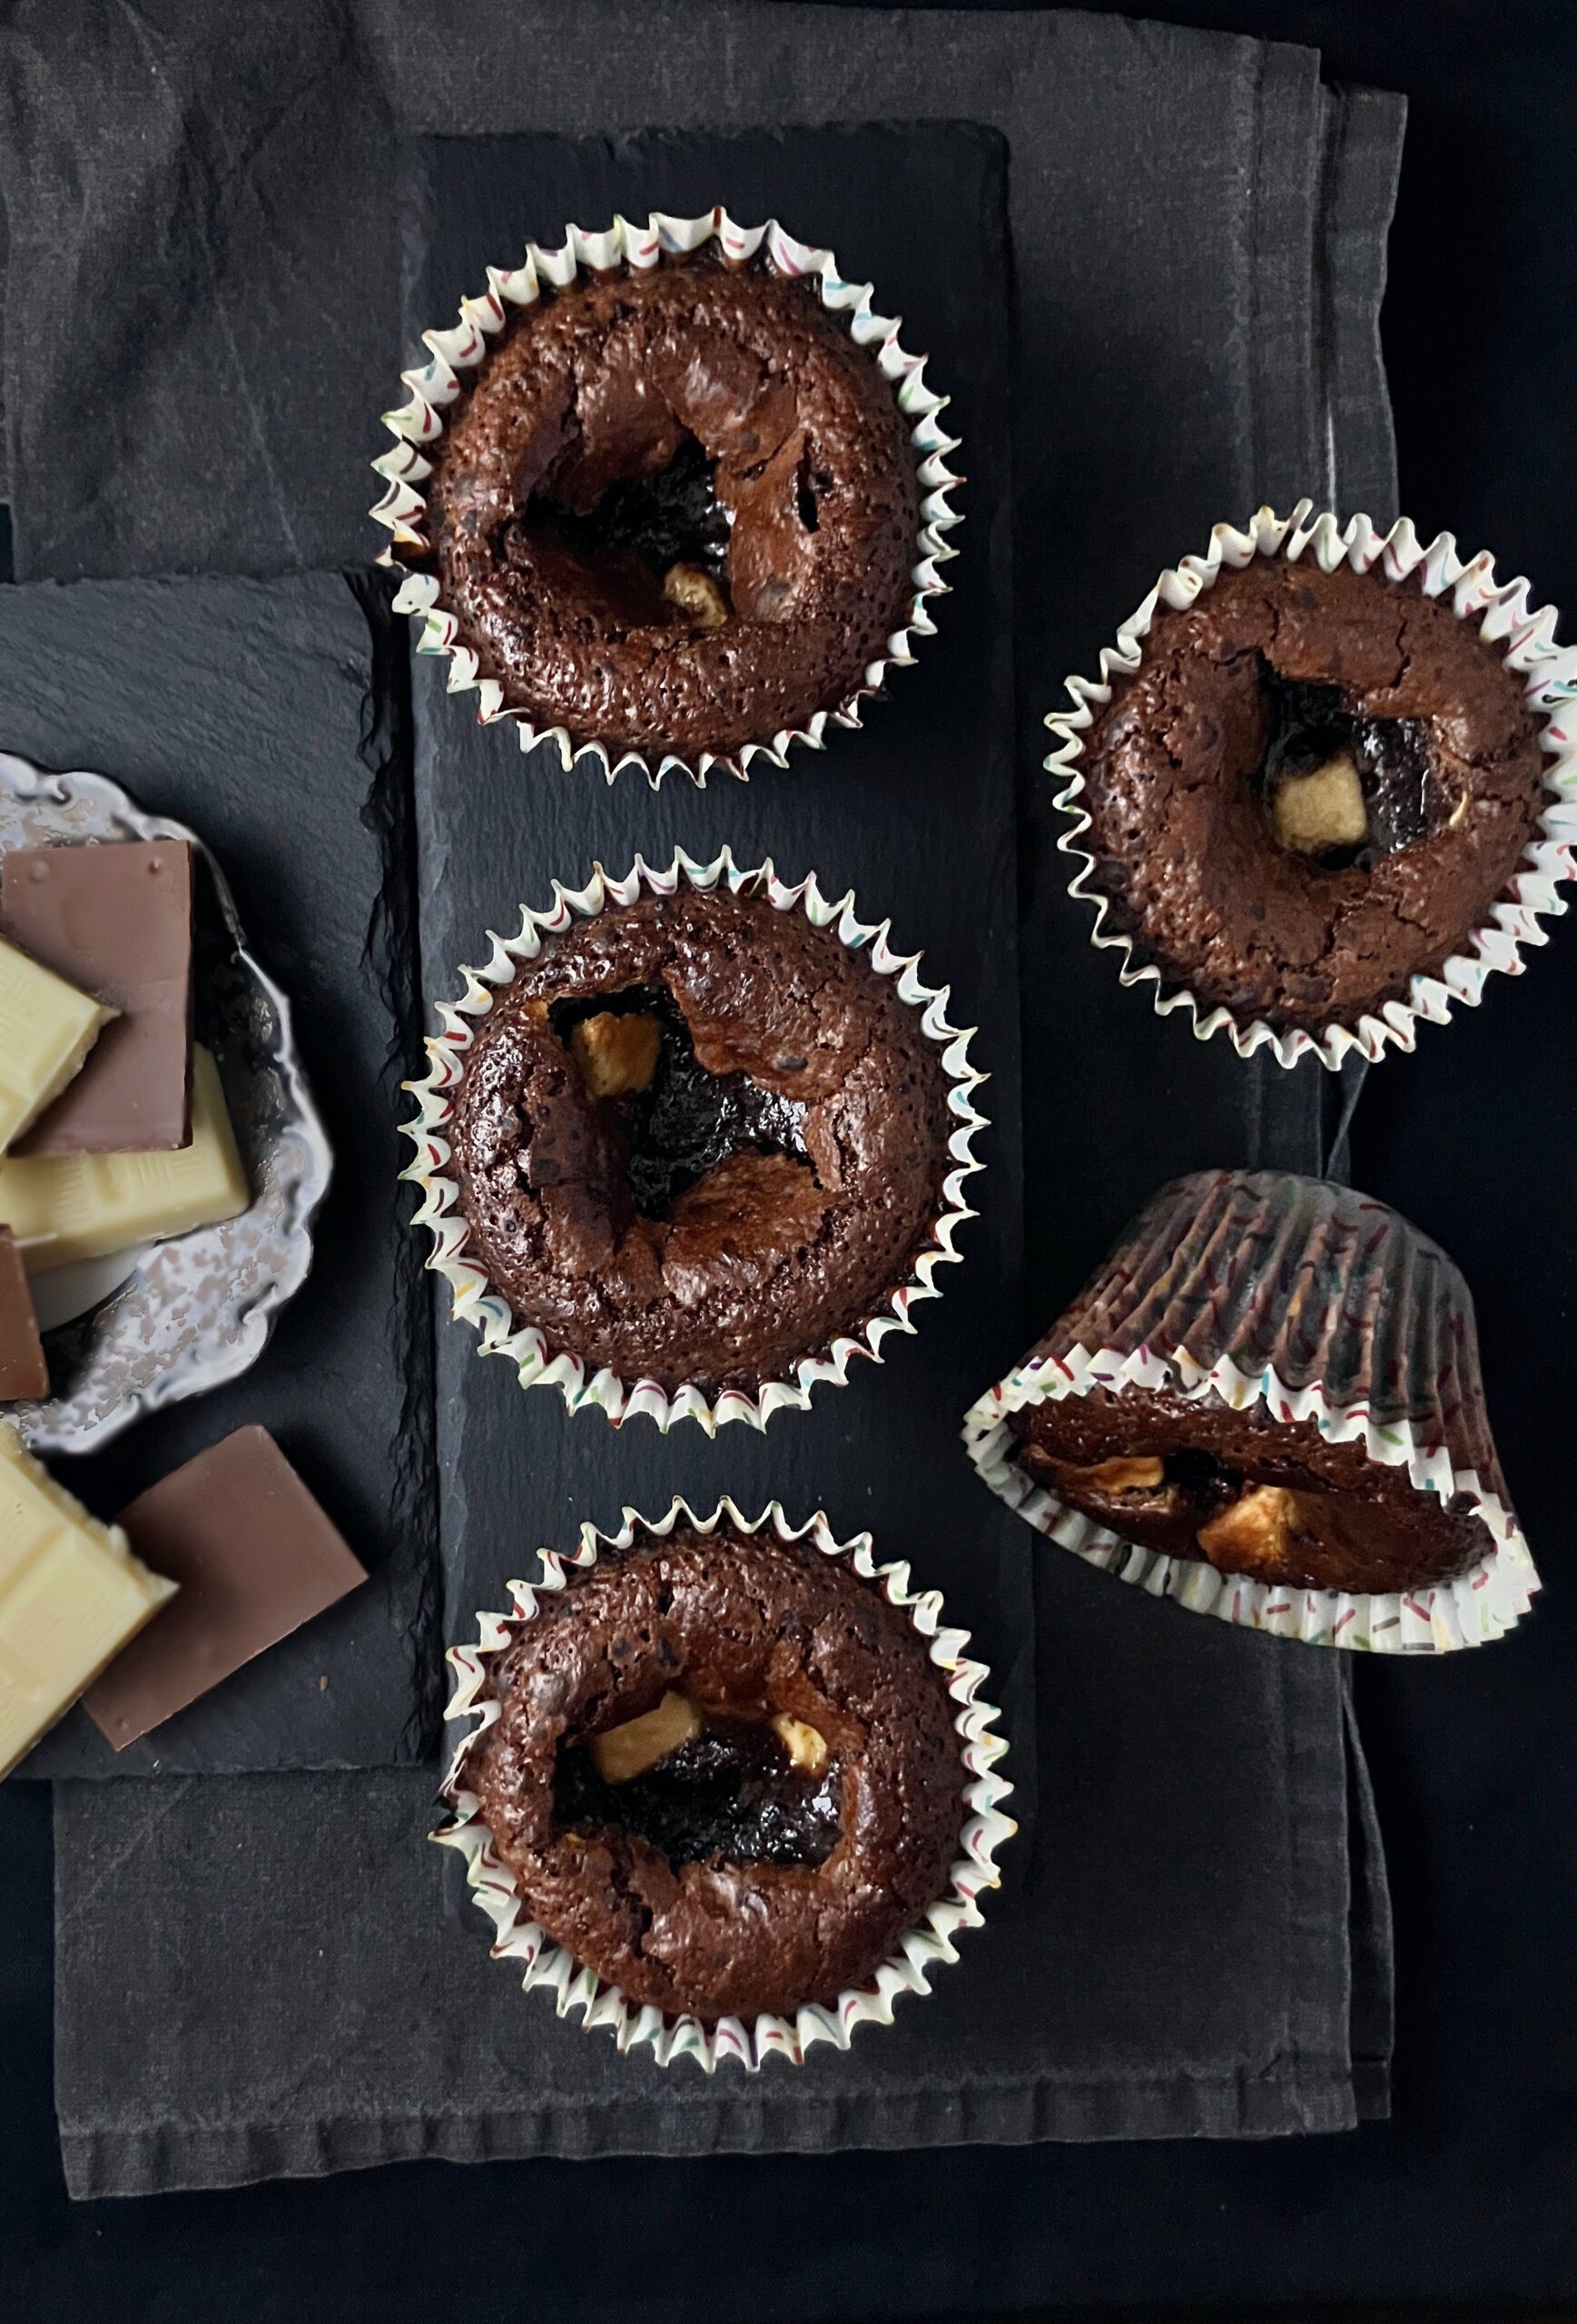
(1471, 1610)
(416, 424)
(474, 1300)
(1503, 617)
(922, 1948)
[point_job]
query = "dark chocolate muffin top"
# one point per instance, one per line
(1311, 791)
(724, 1774)
(699, 1138)
(1242, 1491)
(677, 509)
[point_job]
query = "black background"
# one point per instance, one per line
(1467, 2199)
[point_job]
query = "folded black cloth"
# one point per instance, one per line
(301, 2001)
(1199, 226)
(1198, 230)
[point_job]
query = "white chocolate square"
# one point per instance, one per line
(62, 1207)
(46, 1029)
(1323, 810)
(71, 1595)
(622, 1753)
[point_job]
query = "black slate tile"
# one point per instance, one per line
(270, 716)
(915, 813)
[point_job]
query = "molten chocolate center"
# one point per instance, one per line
(685, 1120)
(1239, 1522)
(1393, 796)
(732, 1795)
(642, 531)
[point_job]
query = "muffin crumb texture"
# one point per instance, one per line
(806, 1800)
(1313, 789)
(677, 509)
(699, 1139)
(1298, 1285)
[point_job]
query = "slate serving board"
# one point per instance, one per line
(915, 813)
(270, 716)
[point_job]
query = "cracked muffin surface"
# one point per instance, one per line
(800, 1808)
(1313, 788)
(676, 508)
(699, 1138)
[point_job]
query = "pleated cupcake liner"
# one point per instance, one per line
(1250, 1287)
(1500, 612)
(922, 1948)
(540, 1363)
(417, 424)
(1304, 1277)
(1471, 1610)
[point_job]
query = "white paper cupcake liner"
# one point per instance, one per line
(1501, 613)
(537, 1362)
(1471, 1610)
(417, 424)
(907, 1968)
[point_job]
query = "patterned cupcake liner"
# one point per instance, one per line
(539, 1365)
(1501, 613)
(922, 1948)
(417, 424)
(1475, 1607)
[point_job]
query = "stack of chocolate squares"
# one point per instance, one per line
(113, 1131)
(113, 1135)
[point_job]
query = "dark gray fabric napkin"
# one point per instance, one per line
(1198, 226)
(302, 2002)
(246, 708)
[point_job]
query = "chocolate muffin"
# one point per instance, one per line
(699, 1138)
(725, 1773)
(1273, 1499)
(1313, 788)
(676, 507)
(1271, 1375)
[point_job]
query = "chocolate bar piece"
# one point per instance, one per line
(63, 1208)
(71, 1595)
(46, 1028)
(115, 920)
(22, 1370)
(255, 1557)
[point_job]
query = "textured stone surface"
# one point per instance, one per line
(245, 709)
(915, 813)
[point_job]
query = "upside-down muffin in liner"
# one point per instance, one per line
(1325, 786)
(672, 494)
(1266, 1405)
(692, 1140)
(731, 1789)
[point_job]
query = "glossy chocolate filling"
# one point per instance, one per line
(1309, 725)
(733, 1796)
(685, 1121)
(674, 518)
(1193, 1488)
